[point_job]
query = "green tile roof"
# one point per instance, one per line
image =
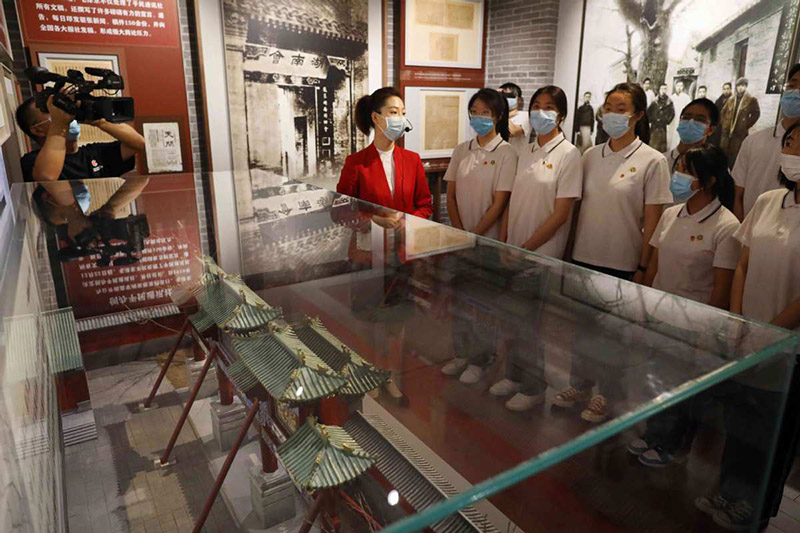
(222, 306)
(361, 376)
(24, 355)
(30, 338)
(319, 457)
(287, 368)
(241, 376)
(61, 340)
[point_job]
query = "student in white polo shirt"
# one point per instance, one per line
(758, 161)
(695, 255)
(519, 127)
(479, 182)
(766, 287)
(549, 180)
(625, 187)
(481, 171)
(697, 123)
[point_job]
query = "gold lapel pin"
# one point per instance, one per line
(699, 237)
(550, 166)
(493, 161)
(633, 169)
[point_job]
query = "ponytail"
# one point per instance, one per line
(709, 162)
(499, 106)
(369, 103)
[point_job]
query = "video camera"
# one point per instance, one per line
(97, 239)
(84, 107)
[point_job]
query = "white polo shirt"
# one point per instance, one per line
(772, 232)
(544, 173)
(616, 187)
(520, 143)
(690, 247)
(757, 165)
(479, 172)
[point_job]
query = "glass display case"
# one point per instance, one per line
(434, 331)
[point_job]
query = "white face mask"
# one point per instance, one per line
(790, 166)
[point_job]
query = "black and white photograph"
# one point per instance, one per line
(734, 52)
(295, 70)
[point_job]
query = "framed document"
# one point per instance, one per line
(163, 147)
(440, 118)
(444, 33)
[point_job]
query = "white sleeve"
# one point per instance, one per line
(526, 128)
(656, 183)
(452, 168)
(726, 254)
(655, 240)
(570, 180)
(507, 169)
(740, 168)
(745, 231)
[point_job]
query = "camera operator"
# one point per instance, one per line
(59, 157)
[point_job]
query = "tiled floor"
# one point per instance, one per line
(112, 483)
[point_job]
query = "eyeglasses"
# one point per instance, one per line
(48, 119)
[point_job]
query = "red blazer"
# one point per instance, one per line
(363, 177)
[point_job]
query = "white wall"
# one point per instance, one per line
(212, 47)
(568, 42)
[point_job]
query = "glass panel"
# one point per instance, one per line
(411, 299)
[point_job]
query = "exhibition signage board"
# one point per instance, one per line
(108, 22)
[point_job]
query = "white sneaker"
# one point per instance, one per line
(454, 366)
(504, 387)
(523, 402)
(472, 374)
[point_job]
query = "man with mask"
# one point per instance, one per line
(740, 113)
(727, 91)
(60, 158)
(660, 114)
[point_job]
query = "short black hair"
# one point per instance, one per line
(639, 99)
(742, 81)
(646, 80)
(702, 87)
(728, 84)
(663, 85)
(24, 116)
(713, 112)
(587, 92)
(782, 179)
(793, 71)
(512, 90)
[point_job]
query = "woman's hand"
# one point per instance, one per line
(391, 220)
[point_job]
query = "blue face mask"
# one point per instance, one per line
(543, 122)
(790, 103)
(681, 186)
(395, 127)
(74, 132)
(691, 131)
(82, 195)
(512, 104)
(481, 125)
(616, 124)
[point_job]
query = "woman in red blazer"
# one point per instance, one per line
(384, 173)
(388, 175)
